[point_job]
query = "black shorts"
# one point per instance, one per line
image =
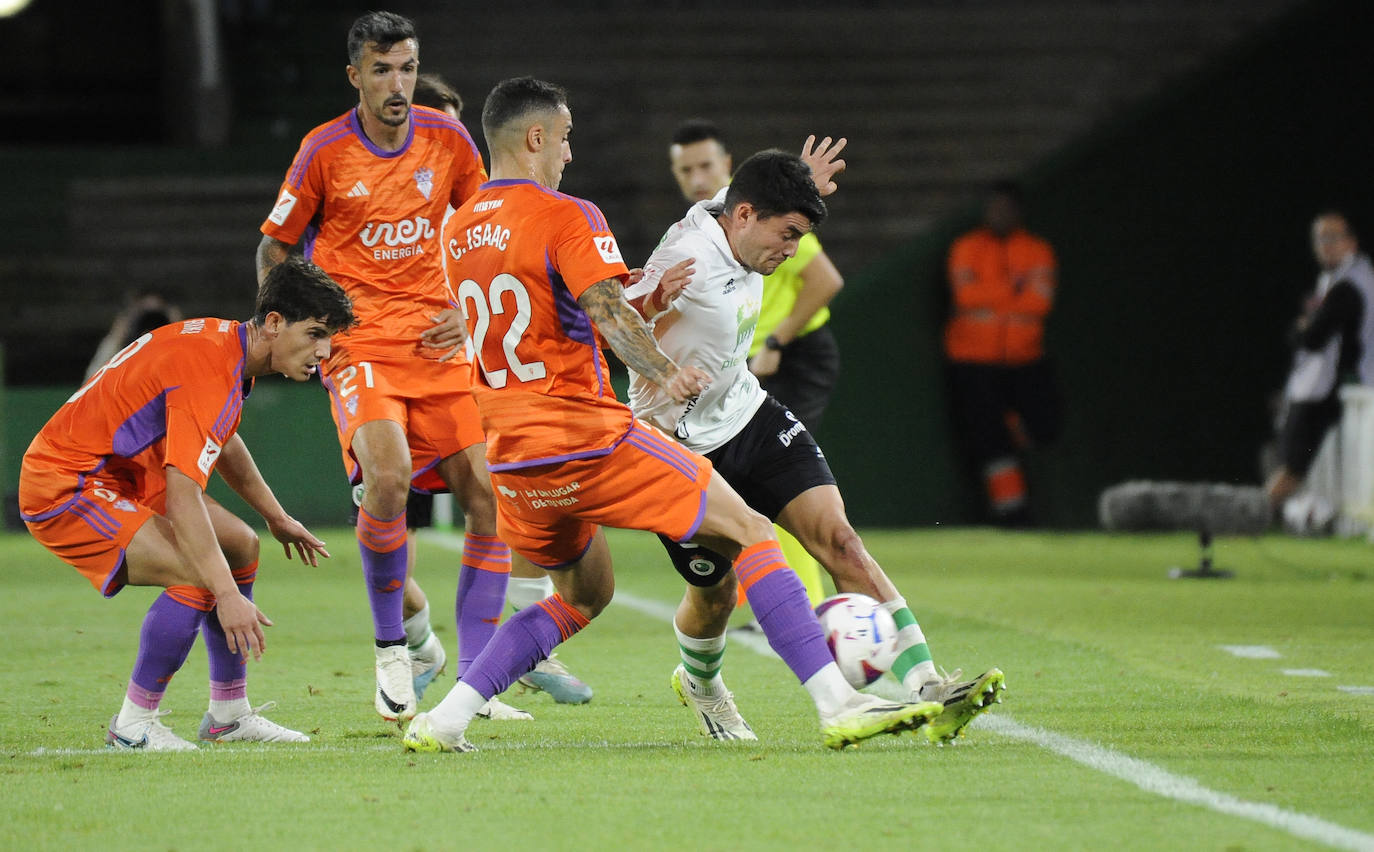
(769, 463)
(419, 511)
(1304, 427)
(806, 376)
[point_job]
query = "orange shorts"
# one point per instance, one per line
(87, 521)
(648, 481)
(432, 400)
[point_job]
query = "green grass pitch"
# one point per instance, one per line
(1127, 725)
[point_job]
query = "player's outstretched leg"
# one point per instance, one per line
(551, 675)
(779, 600)
(961, 701)
(169, 631)
(527, 637)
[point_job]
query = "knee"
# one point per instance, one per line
(386, 490)
(479, 511)
(590, 602)
(842, 545)
(240, 545)
(754, 529)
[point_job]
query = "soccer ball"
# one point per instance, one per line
(862, 637)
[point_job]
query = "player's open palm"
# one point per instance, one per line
(242, 622)
(824, 160)
(293, 534)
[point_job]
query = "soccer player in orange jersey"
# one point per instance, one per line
(539, 275)
(114, 485)
(366, 195)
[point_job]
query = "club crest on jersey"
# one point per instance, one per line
(606, 247)
(424, 180)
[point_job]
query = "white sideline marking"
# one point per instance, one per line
(1153, 779)
(1146, 776)
(1306, 672)
(1251, 652)
(1357, 690)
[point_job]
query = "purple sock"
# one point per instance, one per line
(383, 546)
(481, 594)
(784, 612)
(526, 638)
(169, 631)
(228, 670)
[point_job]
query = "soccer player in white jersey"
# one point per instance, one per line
(759, 446)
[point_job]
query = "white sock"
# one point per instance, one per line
(523, 592)
(703, 655)
(131, 715)
(417, 627)
(829, 690)
(908, 637)
(452, 715)
(228, 711)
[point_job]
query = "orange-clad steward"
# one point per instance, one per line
(1002, 281)
(1003, 289)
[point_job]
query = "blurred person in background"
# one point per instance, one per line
(1333, 341)
(141, 313)
(1002, 281)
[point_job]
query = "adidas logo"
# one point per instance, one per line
(358, 190)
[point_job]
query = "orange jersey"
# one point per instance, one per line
(371, 219)
(1002, 289)
(172, 397)
(519, 256)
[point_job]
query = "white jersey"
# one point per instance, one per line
(709, 325)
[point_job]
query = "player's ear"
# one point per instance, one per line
(354, 77)
(273, 323)
(534, 137)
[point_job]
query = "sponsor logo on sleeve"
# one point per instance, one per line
(283, 208)
(609, 251)
(208, 456)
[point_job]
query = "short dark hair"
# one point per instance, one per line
(698, 130)
(1010, 189)
(299, 290)
(518, 96)
(383, 29)
(431, 90)
(776, 183)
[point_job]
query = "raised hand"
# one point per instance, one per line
(824, 161)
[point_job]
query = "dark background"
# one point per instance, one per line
(1180, 219)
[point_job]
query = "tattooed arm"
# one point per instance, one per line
(271, 251)
(633, 343)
